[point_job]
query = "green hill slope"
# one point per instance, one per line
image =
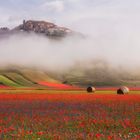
(19, 79)
(24, 78)
(8, 82)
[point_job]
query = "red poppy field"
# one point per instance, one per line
(69, 116)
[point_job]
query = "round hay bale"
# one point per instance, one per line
(123, 90)
(91, 89)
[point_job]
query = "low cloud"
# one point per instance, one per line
(111, 27)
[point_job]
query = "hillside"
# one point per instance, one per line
(29, 78)
(23, 77)
(45, 28)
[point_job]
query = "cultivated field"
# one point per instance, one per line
(27, 114)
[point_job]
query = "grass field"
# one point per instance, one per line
(53, 91)
(29, 114)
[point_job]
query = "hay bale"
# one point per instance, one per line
(123, 90)
(91, 89)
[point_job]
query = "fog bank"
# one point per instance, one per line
(111, 29)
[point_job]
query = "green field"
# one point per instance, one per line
(51, 91)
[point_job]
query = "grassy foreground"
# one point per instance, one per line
(63, 115)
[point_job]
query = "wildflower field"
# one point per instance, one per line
(69, 116)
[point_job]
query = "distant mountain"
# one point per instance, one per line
(39, 27)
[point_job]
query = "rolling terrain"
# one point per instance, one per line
(28, 78)
(31, 78)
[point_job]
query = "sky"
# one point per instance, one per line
(112, 27)
(68, 12)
